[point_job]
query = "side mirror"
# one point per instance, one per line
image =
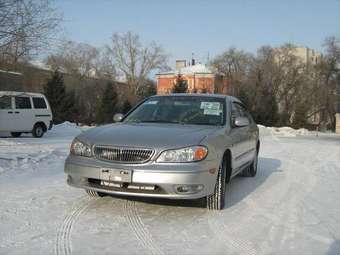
(118, 117)
(241, 122)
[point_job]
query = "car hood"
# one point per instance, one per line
(147, 135)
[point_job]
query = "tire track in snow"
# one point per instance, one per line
(226, 234)
(139, 229)
(230, 238)
(63, 244)
(284, 228)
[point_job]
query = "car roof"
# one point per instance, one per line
(229, 98)
(17, 93)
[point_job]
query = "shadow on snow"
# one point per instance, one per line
(237, 190)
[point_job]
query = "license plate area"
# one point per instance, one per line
(116, 175)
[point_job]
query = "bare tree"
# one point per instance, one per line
(234, 64)
(104, 64)
(135, 61)
(74, 58)
(83, 60)
(26, 27)
(327, 81)
(291, 78)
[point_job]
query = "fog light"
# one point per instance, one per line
(188, 189)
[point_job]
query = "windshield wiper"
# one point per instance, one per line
(203, 123)
(160, 121)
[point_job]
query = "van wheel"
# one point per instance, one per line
(38, 131)
(216, 200)
(15, 134)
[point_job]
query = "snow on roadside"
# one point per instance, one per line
(291, 207)
(67, 129)
(25, 153)
(283, 131)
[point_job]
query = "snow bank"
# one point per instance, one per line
(282, 131)
(68, 129)
(26, 153)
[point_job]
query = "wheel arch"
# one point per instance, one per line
(41, 123)
(227, 156)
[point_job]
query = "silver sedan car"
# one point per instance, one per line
(178, 146)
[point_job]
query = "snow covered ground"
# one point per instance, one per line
(291, 207)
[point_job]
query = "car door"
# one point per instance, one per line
(249, 143)
(6, 113)
(239, 137)
(23, 117)
(244, 150)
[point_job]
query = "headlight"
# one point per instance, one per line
(80, 149)
(188, 154)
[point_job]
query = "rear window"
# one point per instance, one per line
(39, 103)
(22, 103)
(5, 102)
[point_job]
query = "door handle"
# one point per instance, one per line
(16, 112)
(10, 112)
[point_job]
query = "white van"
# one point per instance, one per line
(22, 112)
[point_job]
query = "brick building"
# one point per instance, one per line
(198, 77)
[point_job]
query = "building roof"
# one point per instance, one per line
(199, 68)
(195, 69)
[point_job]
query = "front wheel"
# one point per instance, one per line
(38, 131)
(216, 200)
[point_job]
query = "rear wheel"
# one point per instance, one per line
(93, 193)
(38, 131)
(15, 134)
(216, 200)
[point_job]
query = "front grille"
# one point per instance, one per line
(122, 154)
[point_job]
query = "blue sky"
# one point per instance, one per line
(204, 26)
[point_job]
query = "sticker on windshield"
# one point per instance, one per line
(151, 102)
(211, 108)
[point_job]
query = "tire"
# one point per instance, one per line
(251, 170)
(93, 193)
(38, 131)
(216, 200)
(15, 134)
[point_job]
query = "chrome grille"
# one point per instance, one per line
(122, 154)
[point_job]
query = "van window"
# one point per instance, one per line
(39, 103)
(5, 102)
(22, 103)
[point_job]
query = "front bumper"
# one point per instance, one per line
(85, 173)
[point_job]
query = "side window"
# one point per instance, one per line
(5, 102)
(22, 103)
(39, 103)
(235, 112)
(245, 113)
(239, 110)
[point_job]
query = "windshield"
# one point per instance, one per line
(180, 109)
